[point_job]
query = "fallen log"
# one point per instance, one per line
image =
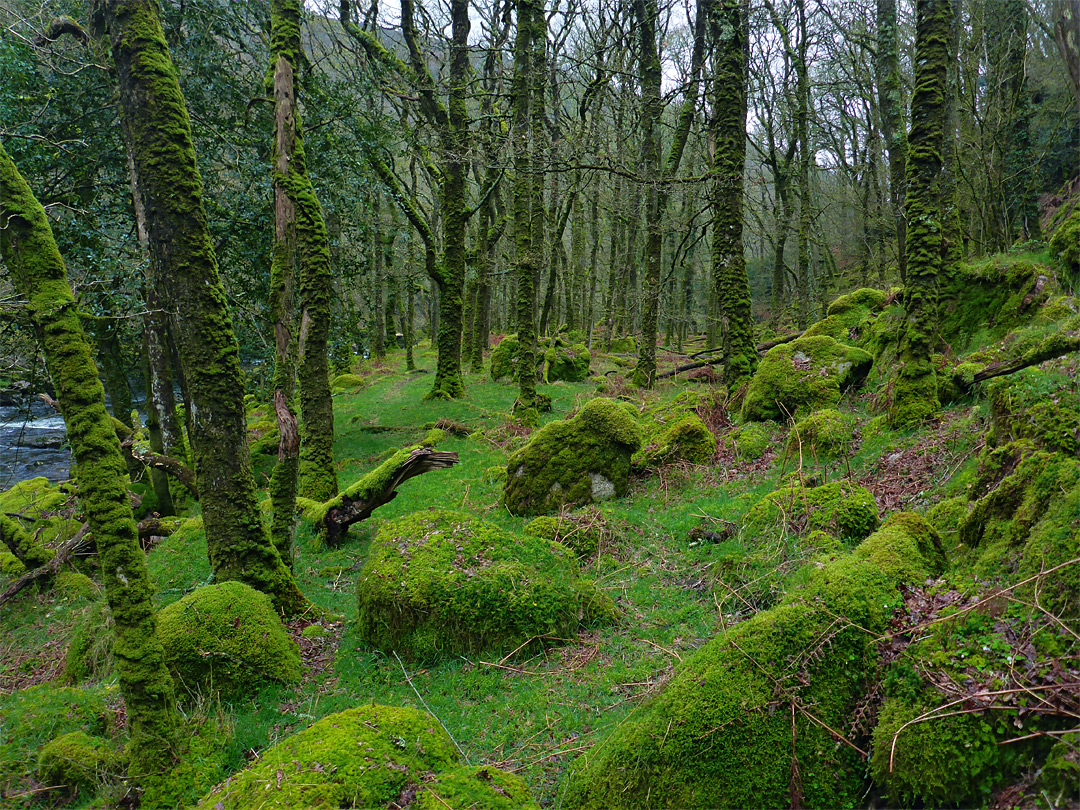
(376, 489)
(81, 541)
(1060, 345)
(712, 361)
(171, 466)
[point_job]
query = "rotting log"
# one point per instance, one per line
(378, 488)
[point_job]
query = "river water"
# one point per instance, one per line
(32, 444)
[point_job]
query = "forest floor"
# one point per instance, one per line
(531, 712)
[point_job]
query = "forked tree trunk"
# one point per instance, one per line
(30, 252)
(170, 188)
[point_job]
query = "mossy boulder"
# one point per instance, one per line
(1065, 244)
(573, 462)
(34, 498)
(841, 508)
(848, 316)
(946, 516)
(78, 761)
(685, 439)
(565, 361)
(363, 757)
(226, 638)
(346, 382)
(751, 441)
(713, 736)
(1043, 406)
(824, 435)
(802, 376)
(478, 786)
(556, 359)
(443, 583)
(624, 345)
(984, 300)
(583, 531)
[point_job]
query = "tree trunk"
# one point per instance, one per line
(915, 395)
(169, 185)
(29, 250)
(891, 103)
(730, 41)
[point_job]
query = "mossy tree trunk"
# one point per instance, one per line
(170, 188)
(891, 104)
(30, 252)
(728, 29)
(915, 395)
(658, 177)
(526, 264)
(284, 478)
(804, 313)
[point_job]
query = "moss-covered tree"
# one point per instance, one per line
(170, 188)
(728, 31)
(891, 103)
(31, 255)
(915, 394)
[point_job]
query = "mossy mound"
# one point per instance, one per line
(33, 716)
(89, 653)
(769, 684)
(1065, 244)
(583, 530)
(825, 434)
(847, 317)
(363, 757)
(226, 638)
(77, 761)
(841, 508)
(556, 359)
(346, 382)
(802, 376)
(565, 361)
(946, 516)
(444, 583)
(751, 441)
(984, 300)
(480, 786)
(1043, 406)
(34, 498)
(624, 345)
(686, 439)
(573, 462)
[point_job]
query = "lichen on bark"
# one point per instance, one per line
(30, 252)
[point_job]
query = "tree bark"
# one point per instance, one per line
(30, 252)
(915, 395)
(168, 183)
(891, 104)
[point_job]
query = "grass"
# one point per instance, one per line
(530, 711)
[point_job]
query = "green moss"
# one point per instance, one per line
(822, 542)
(445, 583)
(346, 382)
(802, 376)
(573, 462)
(89, 653)
(226, 638)
(857, 304)
(1043, 406)
(946, 516)
(687, 439)
(583, 531)
(751, 441)
(563, 361)
(624, 345)
(1061, 771)
(825, 434)
(1065, 244)
(362, 757)
(75, 585)
(10, 566)
(34, 498)
(504, 358)
(480, 786)
(77, 761)
(841, 508)
(710, 738)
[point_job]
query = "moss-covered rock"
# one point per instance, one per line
(751, 441)
(34, 498)
(504, 358)
(847, 317)
(841, 508)
(479, 786)
(565, 361)
(946, 516)
(443, 583)
(346, 382)
(1065, 244)
(573, 462)
(825, 434)
(624, 345)
(10, 566)
(713, 736)
(802, 376)
(583, 530)
(226, 638)
(1043, 406)
(363, 757)
(77, 761)
(686, 439)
